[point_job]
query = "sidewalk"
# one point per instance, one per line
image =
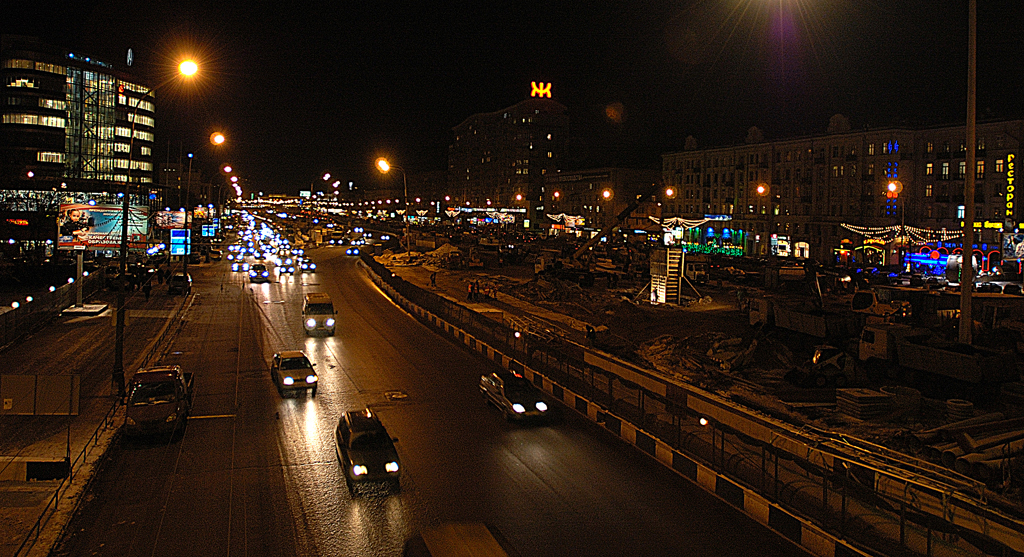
(32, 448)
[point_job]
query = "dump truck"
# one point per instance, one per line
(917, 349)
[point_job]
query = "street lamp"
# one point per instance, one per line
(187, 68)
(384, 167)
(967, 250)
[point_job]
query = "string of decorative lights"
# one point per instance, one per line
(679, 222)
(890, 233)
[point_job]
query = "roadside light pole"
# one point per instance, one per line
(384, 167)
(187, 68)
(188, 211)
(967, 250)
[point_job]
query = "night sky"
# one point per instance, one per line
(302, 88)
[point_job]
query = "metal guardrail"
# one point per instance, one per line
(108, 421)
(875, 499)
(45, 306)
(65, 483)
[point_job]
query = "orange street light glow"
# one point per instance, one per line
(188, 67)
(217, 138)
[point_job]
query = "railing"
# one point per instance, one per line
(29, 316)
(65, 483)
(868, 496)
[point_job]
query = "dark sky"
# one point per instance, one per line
(302, 88)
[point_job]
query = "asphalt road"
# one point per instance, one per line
(255, 474)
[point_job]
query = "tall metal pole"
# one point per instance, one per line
(967, 251)
(188, 211)
(117, 374)
(405, 187)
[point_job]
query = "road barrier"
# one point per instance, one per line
(832, 494)
(30, 315)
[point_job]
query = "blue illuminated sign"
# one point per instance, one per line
(179, 238)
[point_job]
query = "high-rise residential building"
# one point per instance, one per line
(499, 159)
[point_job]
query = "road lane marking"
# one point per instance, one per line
(211, 416)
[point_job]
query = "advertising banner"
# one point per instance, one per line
(1013, 247)
(82, 226)
(169, 219)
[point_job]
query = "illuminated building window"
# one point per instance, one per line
(928, 190)
(550, 154)
(979, 170)
(120, 147)
(871, 148)
(981, 143)
(19, 64)
(871, 169)
(1000, 165)
(50, 156)
(21, 82)
(961, 170)
(944, 172)
(55, 104)
(141, 119)
(929, 169)
(960, 212)
(122, 131)
(34, 120)
(929, 147)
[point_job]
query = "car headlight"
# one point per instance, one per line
(519, 408)
(310, 323)
(312, 265)
(172, 417)
(358, 470)
(230, 257)
(291, 269)
(391, 466)
(329, 322)
(288, 381)
(542, 406)
(252, 273)
(266, 273)
(129, 421)
(311, 378)
(234, 266)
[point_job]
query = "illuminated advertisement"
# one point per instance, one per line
(169, 219)
(82, 226)
(1011, 176)
(1013, 247)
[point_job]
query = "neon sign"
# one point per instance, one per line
(540, 90)
(17, 222)
(1010, 187)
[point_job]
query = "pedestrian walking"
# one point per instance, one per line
(433, 279)
(476, 291)
(469, 295)
(146, 287)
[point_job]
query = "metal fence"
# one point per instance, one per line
(30, 315)
(871, 498)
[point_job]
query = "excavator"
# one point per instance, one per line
(578, 268)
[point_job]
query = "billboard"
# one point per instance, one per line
(169, 219)
(82, 226)
(180, 239)
(1013, 247)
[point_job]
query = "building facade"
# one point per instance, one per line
(500, 159)
(828, 197)
(74, 130)
(591, 199)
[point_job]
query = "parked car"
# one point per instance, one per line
(179, 283)
(516, 397)
(292, 371)
(366, 451)
(159, 400)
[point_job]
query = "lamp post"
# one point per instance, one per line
(385, 167)
(187, 68)
(967, 250)
(188, 211)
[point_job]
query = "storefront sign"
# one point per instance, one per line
(540, 90)
(17, 222)
(1010, 186)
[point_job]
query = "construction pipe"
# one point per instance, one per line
(965, 464)
(967, 445)
(920, 439)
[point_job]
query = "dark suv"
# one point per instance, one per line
(179, 283)
(365, 450)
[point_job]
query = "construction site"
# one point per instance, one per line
(874, 371)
